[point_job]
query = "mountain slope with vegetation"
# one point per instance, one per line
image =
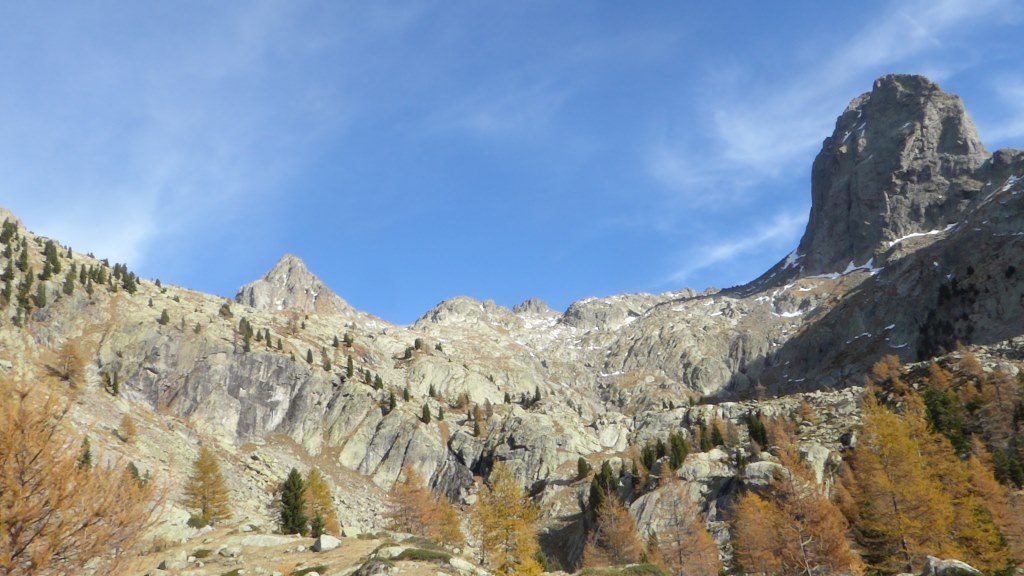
(754, 429)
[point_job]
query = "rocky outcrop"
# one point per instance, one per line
(289, 285)
(901, 161)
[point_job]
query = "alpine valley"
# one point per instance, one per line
(911, 269)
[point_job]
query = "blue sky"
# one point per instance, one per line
(411, 152)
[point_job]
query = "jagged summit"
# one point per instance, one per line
(902, 160)
(289, 285)
(534, 306)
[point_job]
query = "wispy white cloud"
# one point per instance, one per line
(135, 143)
(760, 132)
(780, 231)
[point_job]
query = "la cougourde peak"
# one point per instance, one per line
(856, 408)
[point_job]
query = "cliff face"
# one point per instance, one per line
(902, 160)
(913, 244)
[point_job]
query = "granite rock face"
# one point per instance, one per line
(289, 285)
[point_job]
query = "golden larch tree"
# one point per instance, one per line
(412, 506)
(685, 544)
(506, 521)
(56, 517)
(905, 513)
(319, 501)
(449, 530)
(206, 492)
(757, 535)
(614, 540)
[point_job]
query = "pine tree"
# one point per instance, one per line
(426, 413)
(405, 394)
(440, 413)
(678, 450)
(164, 319)
(69, 284)
(582, 467)
(391, 402)
(293, 505)
(317, 526)
(350, 369)
(85, 455)
(506, 520)
(716, 434)
(319, 504)
(206, 492)
(309, 356)
(40, 299)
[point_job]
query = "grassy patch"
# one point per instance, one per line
(202, 553)
(234, 572)
(424, 555)
(302, 572)
(634, 570)
(425, 543)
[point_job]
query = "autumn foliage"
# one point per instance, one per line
(506, 519)
(206, 492)
(415, 510)
(56, 516)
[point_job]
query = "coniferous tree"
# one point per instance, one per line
(906, 513)
(426, 413)
(614, 540)
(582, 467)
(405, 394)
(58, 516)
(319, 504)
(391, 402)
(317, 526)
(350, 369)
(678, 450)
(309, 356)
(164, 319)
(293, 505)
(506, 521)
(69, 284)
(85, 455)
(206, 493)
(40, 298)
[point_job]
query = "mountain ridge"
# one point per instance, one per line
(289, 373)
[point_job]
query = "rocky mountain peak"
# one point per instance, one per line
(289, 285)
(534, 306)
(900, 161)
